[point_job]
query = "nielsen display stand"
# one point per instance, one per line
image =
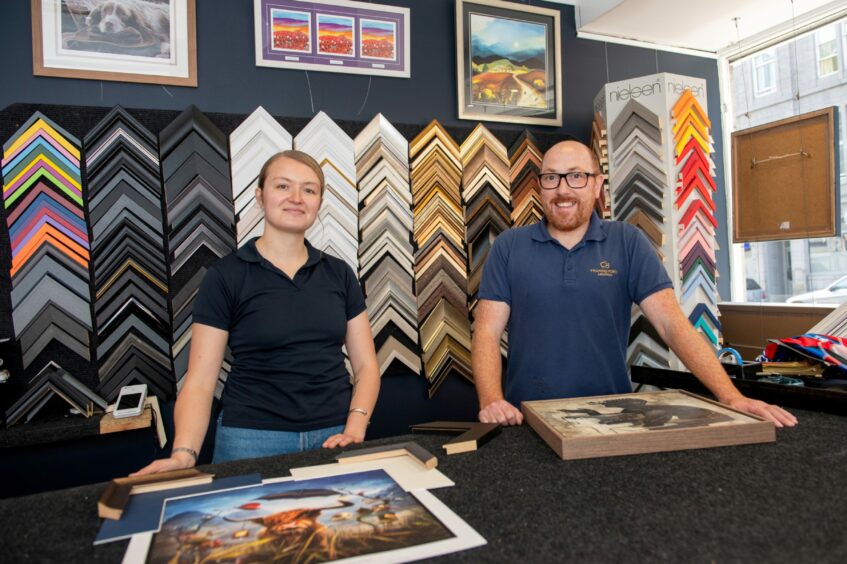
(661, 179)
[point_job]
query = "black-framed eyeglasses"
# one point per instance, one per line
(574, 179)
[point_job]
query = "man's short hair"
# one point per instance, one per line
(595, 160)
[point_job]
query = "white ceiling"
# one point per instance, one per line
(702, 25)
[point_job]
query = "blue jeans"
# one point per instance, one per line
(235, 443)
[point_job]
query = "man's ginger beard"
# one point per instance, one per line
(575, 220)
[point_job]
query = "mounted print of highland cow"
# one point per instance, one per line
(508, 62)
(333, 36)
(150, 41)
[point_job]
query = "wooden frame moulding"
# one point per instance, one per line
(411, 449)
(472, 434)
(113, 500)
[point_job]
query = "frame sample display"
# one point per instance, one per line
(784, 179)
(621, 424)
(333, 36)
(148, 41)
(508, 62)
(364, 516)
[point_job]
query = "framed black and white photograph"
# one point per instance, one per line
(615, 425)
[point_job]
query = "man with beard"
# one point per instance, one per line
(565, 286)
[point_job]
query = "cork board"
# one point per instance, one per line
(784, 179)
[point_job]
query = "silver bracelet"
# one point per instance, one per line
(190, 451)
(358, 410)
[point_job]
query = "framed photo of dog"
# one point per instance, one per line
(146, 41)
(333, 36)
(615, 425)
(508, 62)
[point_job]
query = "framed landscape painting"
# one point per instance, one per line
(639, 423)
(148, 41)
(333, 36)
(508, 62)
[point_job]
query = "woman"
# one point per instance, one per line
(285, 309)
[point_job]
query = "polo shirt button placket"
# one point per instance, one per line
(268, 265)
(569, 271)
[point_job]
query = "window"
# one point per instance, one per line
(841, 145)
(764, 73)
(827, 45)
(798, 270)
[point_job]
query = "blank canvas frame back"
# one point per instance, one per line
(784, 179)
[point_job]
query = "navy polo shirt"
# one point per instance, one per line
(285, 336)
(570, 309)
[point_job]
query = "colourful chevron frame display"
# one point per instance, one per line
(333, 36)
(128, 225)
(441, 267)
(130, 274)
(68, 42)
(199, 219)
(386, 253)
(48, 236)
(661, 179)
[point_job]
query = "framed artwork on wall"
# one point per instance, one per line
(508, 62)
(333, 36)
(147, 41)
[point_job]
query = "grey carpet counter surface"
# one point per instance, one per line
(777, 502)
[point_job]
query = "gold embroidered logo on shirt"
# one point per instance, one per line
(605, 269)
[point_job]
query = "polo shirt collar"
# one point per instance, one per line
(596, 230)
(249, 253)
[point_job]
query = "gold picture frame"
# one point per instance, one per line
(640, 423)
(74, 39)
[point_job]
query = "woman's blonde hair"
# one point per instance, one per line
(294, 155)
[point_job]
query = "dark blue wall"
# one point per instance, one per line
(230, 82)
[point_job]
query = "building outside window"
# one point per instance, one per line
(764, 73)
(827, 46)
(802, 270)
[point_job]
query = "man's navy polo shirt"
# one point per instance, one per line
(285, 337)
(570, 310)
